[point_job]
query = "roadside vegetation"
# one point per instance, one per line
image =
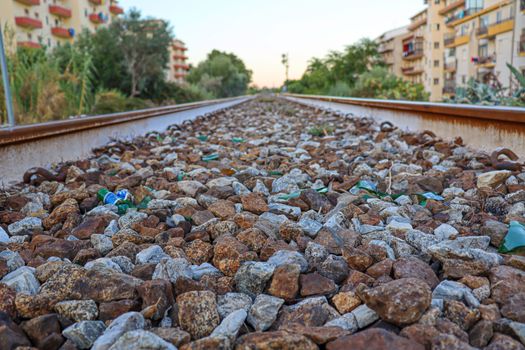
(118, 68)
(357, 71)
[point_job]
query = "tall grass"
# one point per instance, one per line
(41, 90)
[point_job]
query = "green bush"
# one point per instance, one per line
(110, 101)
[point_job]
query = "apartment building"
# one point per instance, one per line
(413, 45)
(391, 49)
(452, 41)
(481, 40)
(37, 23)
(518, 57)
(178, 68)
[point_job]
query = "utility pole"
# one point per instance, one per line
(284, 61)
(5, 78)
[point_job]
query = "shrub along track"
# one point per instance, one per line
(269, 225)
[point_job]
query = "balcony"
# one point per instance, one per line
(180, 75)
(28, 22)
(180, 57)
(29, 2)
(96, 2)
(116, 10)
(521, 46)
(451, 66)
(179, 48)
(498, 27)
(412, 54)
(461, 15)
(453, 41)
(181, 66)
(29, 44)
(450, 86)
(61, 32)
(96, 18)
(59, 11)
(522, 5)
(449, 39)
(486, 61)
(385, 48)
(451, 7)
(413, 70)
(417, 24)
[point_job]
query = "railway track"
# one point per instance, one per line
(264, 223)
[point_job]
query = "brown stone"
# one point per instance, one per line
(374, 339)
(11, 335)
(415, 268)
(44, 331)
(474, 282)
(274, 340)
(85, 255)
(30, 306)
(349, 239)
(46, 247)
(60, 213)
(144, 272)
(202, 217)
(198, 313)
(253, 238)
(420, 333)
(400, 302)
(457, 268)
(271, 247)
(345, 302)
(285, 282)
(315, 284)
(198, 252)
(382, 268)
(514, 308)
(319, 335)
(90, 225)
(175, 336)
(127, 249)
(309, 314)
(222, 209)
(449, 342)
(489, 312)
(448, 327)
(245, 220)
(357, 259)
(316, 201)
(504, 342)
(481, 334)
(208, 343)
(506, 281)
(4, 270)
(113, 309)
(254, 202)
(460, 314)
(354, 279)
(289, 231)
(157, 293)
(228, 254)
(7, 300)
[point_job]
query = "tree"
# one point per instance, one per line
(221, 74)
(144, 44)
(379, 83)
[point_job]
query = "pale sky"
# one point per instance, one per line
(259, 31)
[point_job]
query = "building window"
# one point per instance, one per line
(85, 12)
(436, 81)
(463, 79)
(26, 11)
(436, 45)
(438, 27)
(436, 63)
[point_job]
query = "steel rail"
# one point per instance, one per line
(495, 113)
(32, 132)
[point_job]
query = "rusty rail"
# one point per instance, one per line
(495, 113)
(25, 133)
